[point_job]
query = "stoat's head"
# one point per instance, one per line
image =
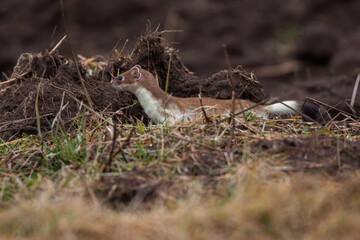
(134, 79)
(128, 80)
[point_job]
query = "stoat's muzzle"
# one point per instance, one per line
(117, 81)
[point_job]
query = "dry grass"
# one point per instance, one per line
(177, 183)
(298, 208)
(277, 179)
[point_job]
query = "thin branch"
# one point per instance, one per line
(107, 167)
(246, 109)
(73, 56)
(330, 107)
(232, 111)
(299, 111)
(202, 107)
(123, 48)
(125, 144)
(108, 63)
(356, 86)
(58, 44)
(8, 81)
(52, 37)
(37, 111)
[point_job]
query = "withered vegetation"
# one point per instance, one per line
(79, 169)
(54, 80)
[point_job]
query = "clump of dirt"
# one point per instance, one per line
(152, 54)
(63, 90)
(53, 82)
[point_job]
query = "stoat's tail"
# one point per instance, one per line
(293, 107)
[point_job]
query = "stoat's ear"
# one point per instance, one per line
(135, 73)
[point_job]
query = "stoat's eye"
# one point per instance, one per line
(121, 78)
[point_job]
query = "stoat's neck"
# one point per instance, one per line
(156, 103)
(153, 90)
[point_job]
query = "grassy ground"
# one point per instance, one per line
(274, 179)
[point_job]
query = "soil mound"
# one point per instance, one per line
(52, 83)
(152, 54)
(63, 91)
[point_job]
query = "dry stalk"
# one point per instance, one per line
(52, 37)
(125, 144)
(108, 62)
(338, 154)
(299, 111)
(329, 106)
(107, 167)
(8, 81)
(246, 109)
(202, 107)
(37, 110)
(232, 111)
(57, 45)
(73, 57)
(356, 86)
(123, 48)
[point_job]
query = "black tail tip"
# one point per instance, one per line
(315, 113)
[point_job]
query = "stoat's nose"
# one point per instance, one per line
(116, 80)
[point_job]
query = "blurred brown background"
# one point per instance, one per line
(297, 48)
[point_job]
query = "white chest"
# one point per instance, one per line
(155, 110)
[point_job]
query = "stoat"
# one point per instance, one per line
(163, 108)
